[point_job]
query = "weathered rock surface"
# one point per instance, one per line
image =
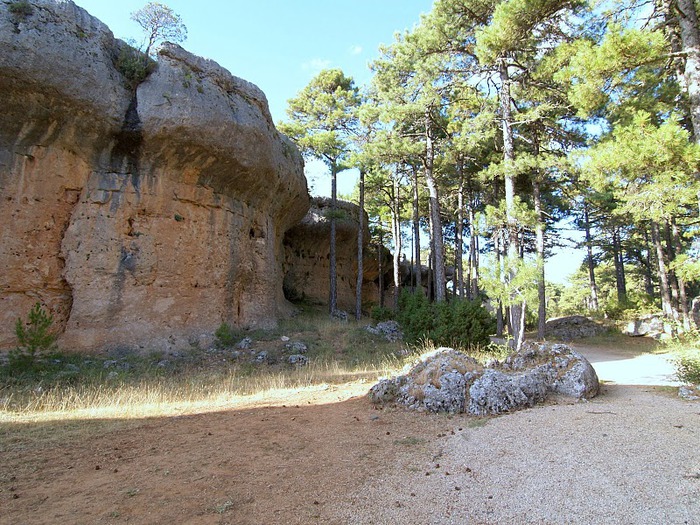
(307, 254)
(140, 218)
(449, 381)
(573, 327)
(650, 325)
(389, 329)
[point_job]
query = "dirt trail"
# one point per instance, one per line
(629, 456)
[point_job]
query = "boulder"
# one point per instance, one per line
(449, 381)
(650, 325)
(573, 327)
(389, 329)
(142, 218)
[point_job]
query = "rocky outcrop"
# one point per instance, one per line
(650, 325)
(307, 254)
(449, 381)
(140, 216)
(390, 330)
(573, 327)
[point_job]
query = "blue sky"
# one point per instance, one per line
(280, 45)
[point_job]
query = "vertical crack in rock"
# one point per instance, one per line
(127, 150)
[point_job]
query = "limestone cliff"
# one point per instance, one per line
(307, 255)
(140, 216)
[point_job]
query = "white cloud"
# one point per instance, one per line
(315, 65)
(355, 50)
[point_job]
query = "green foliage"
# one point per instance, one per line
(322, 118)
(34, 338)
(134, 65)
(21, 8)
(688, 368)
(574, 298)
(521, 285)
(159, 23)
(381, 313)
(649, 168)
(460, 324)
(226, 336)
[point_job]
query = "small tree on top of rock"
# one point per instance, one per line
(160, 24)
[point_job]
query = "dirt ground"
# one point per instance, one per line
(291, 464)
(285, 464)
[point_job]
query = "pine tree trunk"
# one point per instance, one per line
(648, 277)
(360, 247)
(473, 256)
(516, 304)
(591, 263)
(619, 268)
(539, 232)
(663, 273)
(380, 265)
(459, 240)
(417, 269)
(436, 223)
(333, 288)
(683, 295)
(396, 232)
(499, 265)
(687, 17)
(673, 282)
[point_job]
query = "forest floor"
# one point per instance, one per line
(326, 455)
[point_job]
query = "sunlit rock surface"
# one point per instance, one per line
(141, 217)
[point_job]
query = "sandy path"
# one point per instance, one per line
(626, 367)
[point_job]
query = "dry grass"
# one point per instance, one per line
(339, 353)
(161, 396)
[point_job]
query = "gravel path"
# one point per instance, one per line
(629, 456)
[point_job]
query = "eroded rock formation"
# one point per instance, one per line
(307, 255)
(446, 380)
(140, 217)
(573, 327)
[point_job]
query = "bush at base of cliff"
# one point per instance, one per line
(34, 338)
(459, 323)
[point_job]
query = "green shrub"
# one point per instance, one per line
(415, 315)
(21, 8)
(688, 368)
(226, 336)
(458, 323)
(381, 313)
(134, 65)
(34, 338)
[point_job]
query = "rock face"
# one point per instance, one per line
(573, 327)
(307, 253)
(140, 217)
(449, 381)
